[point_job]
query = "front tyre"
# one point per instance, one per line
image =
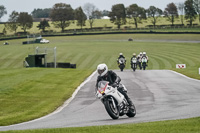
(144, 66)
(111, 109)
(122, 66)
(132, 111)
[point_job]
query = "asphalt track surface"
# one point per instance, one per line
(157, 94)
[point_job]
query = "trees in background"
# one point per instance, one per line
(41, 13)
(105, 13)
(2, 11)
(62, 14)
(171, 12)
(154, 13)
(13, 24)
(118, 15)
(197, 7)
(190, 12)
(136, 13)
(181, 10)
(80, 16)
(89, 10)
(43, 25)
(25, 21)
(97, 14)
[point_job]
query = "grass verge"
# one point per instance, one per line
(175, 126)
(43, 89)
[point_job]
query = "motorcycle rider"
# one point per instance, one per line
(139, 60)
(144, 55)
(133, 59)
(121, 56)
(113, 79)
(144, 60)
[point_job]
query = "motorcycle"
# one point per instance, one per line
(115, 103)
(144, 62)
(134, 64)
(139, 63)
(121, 63)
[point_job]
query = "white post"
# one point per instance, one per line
(199, 71)
(55, 57)
(36, 50)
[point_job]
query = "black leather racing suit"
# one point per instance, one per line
(114, 80)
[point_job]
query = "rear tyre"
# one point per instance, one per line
(111, 109)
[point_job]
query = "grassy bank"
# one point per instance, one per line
(26, 94)
(176, 126)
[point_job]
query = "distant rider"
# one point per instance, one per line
(121, 56)
(134, 59)
(144, 55)
(113, 79)
(139, 60)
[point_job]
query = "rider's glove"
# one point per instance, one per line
(114, 85)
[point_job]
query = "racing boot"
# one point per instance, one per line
(131, 105)
(124, 92)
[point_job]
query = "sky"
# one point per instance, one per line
(30, 5)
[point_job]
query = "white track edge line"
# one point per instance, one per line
(184, 76)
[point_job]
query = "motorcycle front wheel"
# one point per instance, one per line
(121, 67)
(111, 108)
(144, 66)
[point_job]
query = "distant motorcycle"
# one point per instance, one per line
(144, 63)
(134, 64)
(121, 63)
(115, 103)
(139, 63)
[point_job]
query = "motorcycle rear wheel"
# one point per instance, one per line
(111, 109)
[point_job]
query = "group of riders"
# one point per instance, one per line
(114, 80)
(139, 60)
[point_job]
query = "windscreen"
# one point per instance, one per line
(102, 85)
(121, 60)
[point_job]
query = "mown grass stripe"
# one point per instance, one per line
(81, 61)
(87, 62)
(183, 59)
(161, 64)
(153, 63)
(15, 60)
(98, 60)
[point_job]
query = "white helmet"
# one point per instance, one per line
(102, 69)
(144, 53)
(140, 53)
(120, 53)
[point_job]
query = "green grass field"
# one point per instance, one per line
(46, 89)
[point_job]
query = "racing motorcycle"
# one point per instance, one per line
(134, 63)
(144, 62)
(121, 63)
(115, 103)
